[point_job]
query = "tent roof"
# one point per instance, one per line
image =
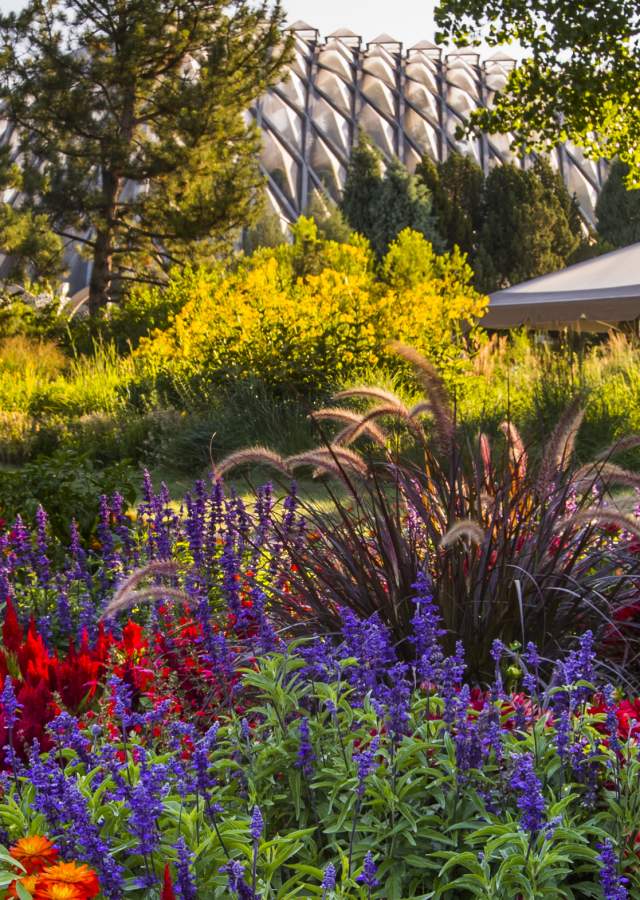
(595, 293)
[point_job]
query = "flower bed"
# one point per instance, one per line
(187, 748)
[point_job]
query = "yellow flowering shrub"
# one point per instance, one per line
(308, 315)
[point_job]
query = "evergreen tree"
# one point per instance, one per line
(33, 251)
(332, 225)
(618, 209)
(362, 186)
(525, 232)
(456, 186)
(381, 206)
(267, 232)
(130, 113)
(402, 202)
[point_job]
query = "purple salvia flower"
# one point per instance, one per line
(397, 699)
(369, 642)
(563, 732)
(21, 541)
(10, 707)
(528, 788)
(491, 733)
(531, 677)
(366, 762)
(328, 880)
(369, 872)
(257, 824)
(236, 881)
(611, 719)
(63, 610)
(185, 882)
(613, 886)
(427, 631)
(43, 564)
(306, 757)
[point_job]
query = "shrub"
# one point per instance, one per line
(67, 485)
(301, 316)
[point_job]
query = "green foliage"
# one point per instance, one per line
(618, 209)
(457, 188)
(267, 232)
(579, 78)
(107, 95)
(435, 828)
(381, 206)
(329, 219)
(26, 237)
(306, 314)
(528, 227)
(513, 225)
(68, 485)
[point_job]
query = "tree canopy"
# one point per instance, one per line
(131, 124)
(618, 209)
(380, 205)
(579, 79)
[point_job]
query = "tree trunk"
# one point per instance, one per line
(100, 285)
(101, 273)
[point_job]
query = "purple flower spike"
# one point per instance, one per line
(257, 824)
(529, 789)
(10, 704)
(612, 884)
(369, 872)
(329, 880)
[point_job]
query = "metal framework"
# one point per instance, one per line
(409, 102)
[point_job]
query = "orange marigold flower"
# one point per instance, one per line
(72, 873)
(57, 890)
(34, 852)
(29, 882)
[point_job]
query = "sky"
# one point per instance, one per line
(409, 21)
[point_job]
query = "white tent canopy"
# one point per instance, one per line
(591, 295)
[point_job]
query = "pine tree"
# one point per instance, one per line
(618, 209)
(33, 252)
(456, 186)
(525, 232)
(331, 223)
(362, 186)
(380, 206)
(267, 232)
(131, 116)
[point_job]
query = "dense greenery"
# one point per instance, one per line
(193, 748)
(130, 127)
(618, 209)
(379, 205)
(579, 78)
(514, 225)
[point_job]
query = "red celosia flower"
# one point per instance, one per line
(167, 885)
(34, 852)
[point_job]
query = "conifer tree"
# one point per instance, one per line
(456, 186)
(618, 209)
(33, 252)
(362, 185)
(132, 121)
(380, 206)
(525, 232)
